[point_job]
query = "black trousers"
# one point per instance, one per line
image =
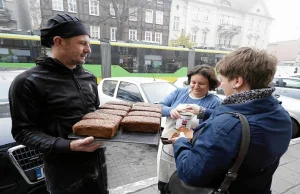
(76, 173)
(163, 187)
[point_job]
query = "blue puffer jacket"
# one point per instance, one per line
(206, 162)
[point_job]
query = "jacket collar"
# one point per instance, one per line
(251, 102)
(55, 65)
(248, 96)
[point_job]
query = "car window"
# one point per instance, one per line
(157, 91)
(129, 92)
(274, 83)
(291, 83)
(109, 87)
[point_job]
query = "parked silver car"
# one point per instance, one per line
(21, 168)
(287, 86)
(290, 104)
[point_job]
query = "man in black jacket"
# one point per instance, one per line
(48, 99)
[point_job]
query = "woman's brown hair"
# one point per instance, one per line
(208, 72)
(256, 67)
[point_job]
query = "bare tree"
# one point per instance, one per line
(121, 11)
(35, 13)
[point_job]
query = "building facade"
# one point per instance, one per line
(221, 23)
(287, 52)
(8, 18)
(117, 20)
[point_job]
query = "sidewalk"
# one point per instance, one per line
(286, 178)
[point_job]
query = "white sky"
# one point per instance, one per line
(286, 24)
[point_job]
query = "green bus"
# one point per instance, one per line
(127, 59)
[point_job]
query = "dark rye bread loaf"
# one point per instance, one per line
(121, 113)
(140, 124)
(146, 108)
(96, 127)
(145, 113)
(123, 103)
(99, 115)
(115, 107)
(146, 104)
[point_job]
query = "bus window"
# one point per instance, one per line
(148, 60)
(205, 58)
(95, 56)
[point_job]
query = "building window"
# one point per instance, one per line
(160, 1)
(206, 16)
(112, 10)
(204, 37)
(229, 41)
(149, 16)
(1, 4)
(72, 6)
(94, 7)
(113, 33)
(251, 24)
(57, 5)
(258, 25)
(95, 31)
(224, 40)
(159, 17)
(132, 34)
(148, 36)
(196, 14)
(133, 13)
(194, 35)
(219, 39)
(225, 3)
(230, 20)
(176, 23)
(249, 41)
(222, 19)
(158, 37)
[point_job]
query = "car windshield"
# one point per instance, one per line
(157, 91)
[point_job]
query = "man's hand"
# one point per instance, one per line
(174, 114)
(85, 145)
(172, 140)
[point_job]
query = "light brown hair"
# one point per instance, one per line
(256, 67)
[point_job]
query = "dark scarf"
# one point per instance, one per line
(247, 96)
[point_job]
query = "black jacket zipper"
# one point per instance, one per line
(82, 96)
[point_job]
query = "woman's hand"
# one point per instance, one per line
(172, 140)
(174, 114)
(193, 108)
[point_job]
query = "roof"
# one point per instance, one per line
(141, 80)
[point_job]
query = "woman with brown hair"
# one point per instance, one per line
(201, 80)
(245, 75)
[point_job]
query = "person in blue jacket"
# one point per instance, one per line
(201, 79)
(245, 75)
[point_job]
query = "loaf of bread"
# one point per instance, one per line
(146, 104)
(99, 115)
(96, 127)
(140, 124)
(122, 103)
(144, 113)
(146, 108)
(115, 107)
(121, 113)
